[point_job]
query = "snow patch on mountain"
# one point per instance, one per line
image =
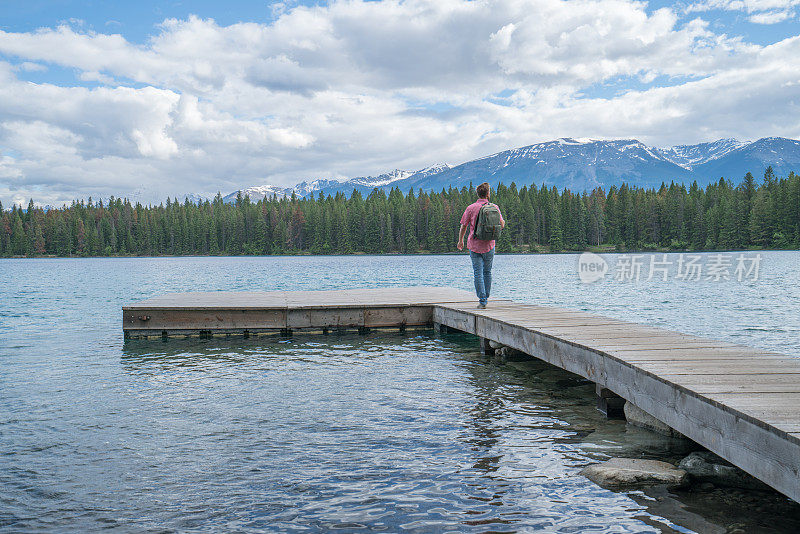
(258, 192)
(380, 180)
(432, 169)
(690, 156)
(194, 199)
(306, 188)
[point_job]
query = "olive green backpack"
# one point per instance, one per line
(489, 223)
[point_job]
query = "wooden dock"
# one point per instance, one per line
(739, 402)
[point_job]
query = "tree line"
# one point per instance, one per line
(540, 219)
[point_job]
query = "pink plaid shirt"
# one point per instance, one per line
(470, 216)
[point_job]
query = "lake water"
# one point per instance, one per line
(384, 432)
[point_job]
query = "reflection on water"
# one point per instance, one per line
(469, 444)
(384, 432)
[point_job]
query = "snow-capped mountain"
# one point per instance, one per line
(306, 188)
(576, 164)
(431, 170)
(365, 185)
(690, 156)
(782, 154)
(583, 164)
(194, 199)
(258, 192)
(381, 179)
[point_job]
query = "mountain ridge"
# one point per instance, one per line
(577, 164)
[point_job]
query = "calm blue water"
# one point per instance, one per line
(385, 432)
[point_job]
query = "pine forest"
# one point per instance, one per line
(755, 214)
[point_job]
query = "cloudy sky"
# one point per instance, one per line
(147, 99)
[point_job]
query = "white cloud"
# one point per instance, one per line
(355, 88)
(93, 76)
(27, 66)
(770, 17)
(759, 11)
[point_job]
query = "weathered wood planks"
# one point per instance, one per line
(264, 311)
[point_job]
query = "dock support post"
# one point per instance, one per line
(440, 328)
(286, 332)
(402, 327)
(363, 330)
(324, 331)
(246, 334)
(486, 348)
(611, 404)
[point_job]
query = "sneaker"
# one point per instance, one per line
(481, 306)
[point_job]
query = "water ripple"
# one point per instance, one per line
(383, 433)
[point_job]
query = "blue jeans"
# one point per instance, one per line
(482, 268)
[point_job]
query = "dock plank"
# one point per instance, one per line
(737, 367)
(404, 296)
(704, 354)
(737, 384)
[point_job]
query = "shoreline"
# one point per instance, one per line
(595, 250)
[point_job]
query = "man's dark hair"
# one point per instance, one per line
(483, 190)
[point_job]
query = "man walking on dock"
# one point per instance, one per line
(484, 221)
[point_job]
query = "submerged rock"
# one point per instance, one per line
(638, 417)
(626, 472)
(707, 467)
